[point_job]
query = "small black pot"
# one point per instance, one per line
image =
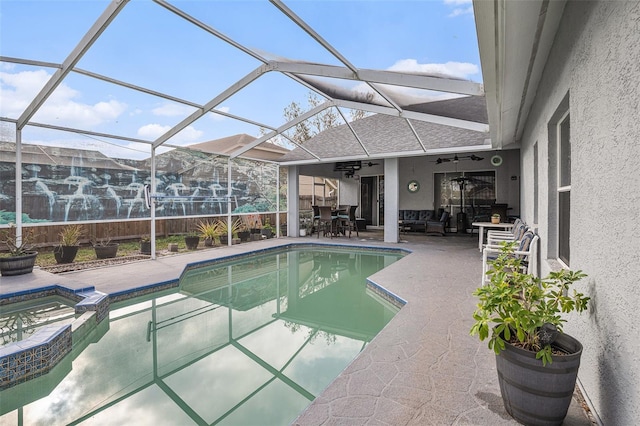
(65, 254)
(145, 247)
(192, 242)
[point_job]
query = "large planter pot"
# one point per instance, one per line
(534, 394)
(65, 254)
(17, 265)
(107, 251)
(192, 242)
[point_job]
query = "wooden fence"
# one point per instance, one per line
(46, 235)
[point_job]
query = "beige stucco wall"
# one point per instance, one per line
(596, 61)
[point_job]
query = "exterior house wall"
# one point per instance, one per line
(423, 169)
(595, 66)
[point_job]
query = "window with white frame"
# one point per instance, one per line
(564, 188)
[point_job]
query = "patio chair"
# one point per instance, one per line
(507, 232)
(325, 219)
(315, 219)
(527, 250)
(352, 220)
(438, 226)
(515, 234)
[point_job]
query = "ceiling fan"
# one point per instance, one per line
(457, 158)
(351, 167)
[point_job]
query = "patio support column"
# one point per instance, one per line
(152, 199)
(293, 202)
(391, 200)
(18, 186)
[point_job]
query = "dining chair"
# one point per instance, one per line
(352, 220)
(315, 220)
(325, 219)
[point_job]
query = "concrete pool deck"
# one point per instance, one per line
(422, 369)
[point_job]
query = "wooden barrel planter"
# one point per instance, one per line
(17, 265)
(534, 394)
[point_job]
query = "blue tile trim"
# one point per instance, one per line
(25, 360)
(389, 296)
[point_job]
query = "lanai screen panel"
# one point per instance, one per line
(104, 180)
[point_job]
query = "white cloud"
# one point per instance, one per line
(219, 117)
(17, 90)
(459, 12)
(449, 69)
(152, 131)
(186, 136)
(457, 2)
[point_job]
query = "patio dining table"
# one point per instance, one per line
(482, 225)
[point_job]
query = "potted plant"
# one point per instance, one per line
(267, 229)
(104, 248)
(209, 231)
(520, 314)
(243, 232)
(495, 218)
(69, 244)
(192, 239)
(145, 244)
(224, 230)
(21, 258)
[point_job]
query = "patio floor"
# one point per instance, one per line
(422, 369)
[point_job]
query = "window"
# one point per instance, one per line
(564, 188)
(477, 195)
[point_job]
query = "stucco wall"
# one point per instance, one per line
(423, 169)
(596, 61)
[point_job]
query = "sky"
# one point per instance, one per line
(148, 46)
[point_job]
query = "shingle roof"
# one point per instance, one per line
(384, 134)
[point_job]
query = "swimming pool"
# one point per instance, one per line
(21, 320)
(256, 351)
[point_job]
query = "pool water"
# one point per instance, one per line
(19, 321)
(253, 352)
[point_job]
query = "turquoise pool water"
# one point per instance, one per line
(253, 352)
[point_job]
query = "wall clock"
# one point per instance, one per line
(413, 186)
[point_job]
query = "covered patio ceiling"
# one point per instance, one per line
(401, 96)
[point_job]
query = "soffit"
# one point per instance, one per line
(514, 39)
